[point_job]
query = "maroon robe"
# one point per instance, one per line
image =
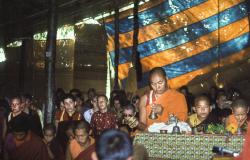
(32, 149)
(86, 154)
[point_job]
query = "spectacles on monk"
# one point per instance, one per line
(127, 115)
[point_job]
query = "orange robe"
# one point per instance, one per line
(232, 124)
(75, 148)
(64, 116)
(172, 102)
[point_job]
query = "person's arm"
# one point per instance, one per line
(142, 113)
(68, 154)
(57, 119)
(157, 108)
(56, 124)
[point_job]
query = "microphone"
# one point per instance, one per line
(221, 151)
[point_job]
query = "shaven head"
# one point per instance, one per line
(240, 110)
(81, 125)
(158, 80)
(81, 133)
(240, 103)
(50, 127)
(157, 70)
(49, 132)
(201, 98)
(202, 107)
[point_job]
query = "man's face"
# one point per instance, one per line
(79, 102)
(70, 133)
(69, 105)
(28, 103)
(23, 103)
(81, 136)
(240, 114)
(128, 113)
(202, 109)
(62, 106)
(102, 103)
(16, 105)
(117, 104)
(19, 136)
(49, 135)
(222, 101)
(91, 94)
(94, 102)
(158, 83)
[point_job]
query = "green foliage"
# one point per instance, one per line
(215, 129)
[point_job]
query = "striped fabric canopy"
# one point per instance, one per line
(185, 37)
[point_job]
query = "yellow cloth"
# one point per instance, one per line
(232, 124)
(193, 120)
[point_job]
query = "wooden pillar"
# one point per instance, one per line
(50, 56)
(117, 43)
(136, 54)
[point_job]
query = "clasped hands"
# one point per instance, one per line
(132, 122)
(157, 108)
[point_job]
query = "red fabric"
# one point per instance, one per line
(101, 121)
(245, 154)
(86, 154)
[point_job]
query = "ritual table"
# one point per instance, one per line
(186, 147)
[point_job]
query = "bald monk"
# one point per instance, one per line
(162, 100)
(82, 146)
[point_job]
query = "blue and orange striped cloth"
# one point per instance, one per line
(185, 37)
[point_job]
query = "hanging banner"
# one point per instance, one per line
(185, 37)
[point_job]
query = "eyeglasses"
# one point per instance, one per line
(128, 115)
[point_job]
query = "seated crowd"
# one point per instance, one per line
(102, 128)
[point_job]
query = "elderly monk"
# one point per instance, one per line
(79, 147)
(161, 100)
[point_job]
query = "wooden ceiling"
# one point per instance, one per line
(21, 18)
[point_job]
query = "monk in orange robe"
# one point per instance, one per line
(161, 100)
(239, 119)
(80, 143)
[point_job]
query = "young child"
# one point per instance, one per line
(54, 149)
(239, 119)
(203, 115)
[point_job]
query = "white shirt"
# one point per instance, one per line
(88, 114)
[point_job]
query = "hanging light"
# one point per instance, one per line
(219, 80)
